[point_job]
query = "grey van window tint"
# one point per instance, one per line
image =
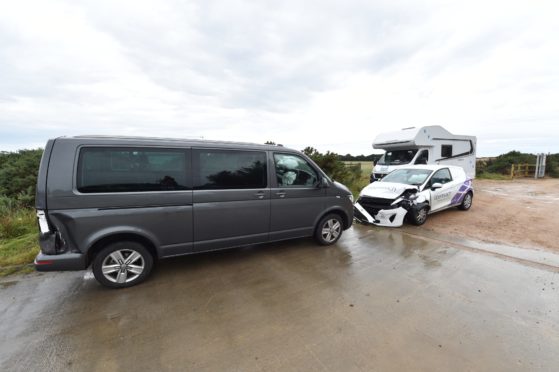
(292, 170)
(229, 169)
(104, 169)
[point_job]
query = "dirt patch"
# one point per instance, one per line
(522, 213)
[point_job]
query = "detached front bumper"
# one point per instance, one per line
(384, 217)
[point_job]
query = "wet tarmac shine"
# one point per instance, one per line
(380, 299)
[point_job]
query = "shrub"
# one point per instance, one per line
(334, 168)
(18, 175)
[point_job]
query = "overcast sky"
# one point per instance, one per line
(327, 74)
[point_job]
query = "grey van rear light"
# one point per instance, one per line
(43, 224)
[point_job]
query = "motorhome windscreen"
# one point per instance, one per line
(414, 177)
(397, 157)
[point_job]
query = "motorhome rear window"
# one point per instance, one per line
(110, 169)
(229, 169)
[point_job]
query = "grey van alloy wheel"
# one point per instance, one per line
(329, 229)
(122, 264)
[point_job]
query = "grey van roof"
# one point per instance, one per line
(106, 139)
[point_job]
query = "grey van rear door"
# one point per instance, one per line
(132, 189)
(231, 198)
(297, 202)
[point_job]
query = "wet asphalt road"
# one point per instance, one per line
(378, 300)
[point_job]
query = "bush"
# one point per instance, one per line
(333, 167)
(18, 175)
(552, 165)
(502, 164)
(14, 221)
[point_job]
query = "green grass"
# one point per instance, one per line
(18, 240)
(492, 176)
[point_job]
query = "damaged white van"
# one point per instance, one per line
(414, 192)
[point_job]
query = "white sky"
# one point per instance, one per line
(327, 74)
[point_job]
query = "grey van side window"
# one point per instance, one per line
(292, 170)
(229, 169)
(112, 169)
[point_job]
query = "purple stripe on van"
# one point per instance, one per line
(466, 186)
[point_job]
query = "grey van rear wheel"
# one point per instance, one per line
(329, 229)
(122, 264)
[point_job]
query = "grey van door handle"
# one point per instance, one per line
(281, 194)
(260, 195)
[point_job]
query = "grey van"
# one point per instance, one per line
(120, 203)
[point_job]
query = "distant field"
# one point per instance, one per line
(366, 166)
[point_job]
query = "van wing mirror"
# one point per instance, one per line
(322, 183)
(436, 186)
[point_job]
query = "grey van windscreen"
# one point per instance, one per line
(215, 169)
(112, 169)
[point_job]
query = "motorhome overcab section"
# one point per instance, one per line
(425, 145)
(413, 192)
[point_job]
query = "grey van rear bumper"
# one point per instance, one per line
(60, 262)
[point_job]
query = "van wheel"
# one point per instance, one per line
(329, 229)
(122, 264)
(419, 215)
(467, 202)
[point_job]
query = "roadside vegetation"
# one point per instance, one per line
(499, 167)
(18, 174)
(18, 227)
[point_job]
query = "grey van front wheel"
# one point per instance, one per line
(122, 264)
(329, 229)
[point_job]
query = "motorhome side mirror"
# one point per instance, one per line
(436, 186)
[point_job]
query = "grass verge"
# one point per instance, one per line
(18, 241)
(493, 176)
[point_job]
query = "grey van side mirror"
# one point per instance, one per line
(322, 183)
(436, 186)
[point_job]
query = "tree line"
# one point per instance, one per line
(18, 170)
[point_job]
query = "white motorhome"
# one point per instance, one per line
(425, 145)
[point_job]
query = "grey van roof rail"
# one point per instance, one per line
(140, 138)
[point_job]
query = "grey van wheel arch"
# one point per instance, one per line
(339, 212)
(101, 243)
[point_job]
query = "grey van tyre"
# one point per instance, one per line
(466, 202)
(329, 229)
(419, 215)
(122, 264)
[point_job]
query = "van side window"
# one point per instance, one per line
(446, 151)
(111, 169)
(229, 169)
(292, 170)
(442, 176)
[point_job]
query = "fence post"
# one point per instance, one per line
(511, 171)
